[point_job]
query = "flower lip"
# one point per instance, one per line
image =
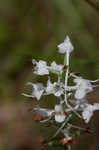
(60, 118)
(58, 108)
(59, 113)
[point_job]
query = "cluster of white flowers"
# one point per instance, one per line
(63, 111)
(42, 68)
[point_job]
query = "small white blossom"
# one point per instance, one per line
(50, 87)
(79, 103)
(54, 88)
(88, 111)
(37, 92)
(59, 113)
(56, 67)
(66, 46)
(83, 87)
(40, 68)
(44, 112)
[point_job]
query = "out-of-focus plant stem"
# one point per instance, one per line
(69, 147)
(94, 3)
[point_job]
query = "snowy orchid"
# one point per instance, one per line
(37, 91)
(56, 67)
(66, 46)
(79, 103)
(41, 67)
(54, 88)
(72, 99)
(43, 111)
(88, 111)
(57, 111)
(83, 87)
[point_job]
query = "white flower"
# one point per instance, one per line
(44, 111)
(88, 111)
(37, 92)
(41, 67)
(59, 113)
(54, 88)
(56, 67)
(79, 103)
(50, 87)
(83, 87)
(66, 46)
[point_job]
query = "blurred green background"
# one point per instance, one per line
(33, 29)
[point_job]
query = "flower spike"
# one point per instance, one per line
(72, 98)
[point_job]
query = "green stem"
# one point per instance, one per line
(66, 76)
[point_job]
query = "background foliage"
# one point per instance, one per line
(33, 29)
